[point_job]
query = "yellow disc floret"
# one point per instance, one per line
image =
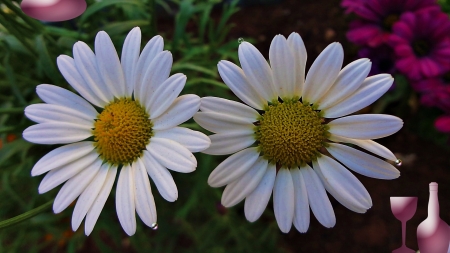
(290, 133)
(122, 131)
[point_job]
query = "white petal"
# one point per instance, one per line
(368, 145)
(317, 197)
(56, 133)
(108, 64)
(61, 174)
(62, 156)
(129, 58)
(67, 67)
(88, 196)
(257, 71)
(222, 123)
(257, 201)
(182, 109)
(55, 95)
(283, 200)
(194, 141)
(297, 46)
(151, 49)
(42, 113)
(86, 64)
(348, 81)
(155, 74)
(342, 183)
(233, 167)
(301, 215)
(225, 106)
(161, 177)
(363, 163)
(172, 155)
(323, 72)
(75, 186)
(145, 204)
(365, 126)
(283, 67)
(165, 94)
(235, 79)
(125, 200)
(230, 142)
(371, 89)
(100, 200)
(239, 189)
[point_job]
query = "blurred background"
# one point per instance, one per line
(199, 33)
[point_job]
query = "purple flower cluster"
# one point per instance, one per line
(411, 37)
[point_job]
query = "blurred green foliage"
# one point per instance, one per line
(195, 222)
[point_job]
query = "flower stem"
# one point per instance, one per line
(152, 11)
(25, 216)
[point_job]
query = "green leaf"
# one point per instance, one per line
(118, 28)
(25, 216)
(45, 60)
(100, 5)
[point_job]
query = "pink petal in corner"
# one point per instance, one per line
(53, 10)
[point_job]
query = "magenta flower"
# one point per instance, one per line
(435, 92)
(378, 17)
(442, 124)
(421, 42)
(382, 58)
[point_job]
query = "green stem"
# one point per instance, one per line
(152, 11)
(6, 129)
(25, 216)
(12, 110)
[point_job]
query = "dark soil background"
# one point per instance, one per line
(321, 22)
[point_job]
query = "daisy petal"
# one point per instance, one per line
(55, 95)
(339, 181)
(56, 133)
(230, 142)
(347, 82)
(225, 106)
(100, 200)
(86, 64)
(161, 177)
(301, 215)
(368, 145)
(62, 156)
(66, 66)
(297, 46)
(108, 65)
(371, 89)
(257, 71)
(237, 190)
(145, 204)
(75, 186)
(194, 141)
(257, 201)
(182, 109)
(323, 72)
(365, 126)
(363, 163)
(165, 94)
(43, 113)
(88, 196)
(283, 66)
(151, 49)
(283, 200)
(129, 58)
(155, 74)
(233, 167)
(172, 155)
(60, 175)
(125, 199)
(235, 79)
(222, 123)
(317, 197)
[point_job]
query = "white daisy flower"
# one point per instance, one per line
(283, 140)
(135, 131)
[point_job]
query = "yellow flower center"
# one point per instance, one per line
(290, 133)
(122, 131)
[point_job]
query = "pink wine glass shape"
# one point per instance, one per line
(53, 10)
(403, 209)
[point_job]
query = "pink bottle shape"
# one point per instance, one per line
(433, 234)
